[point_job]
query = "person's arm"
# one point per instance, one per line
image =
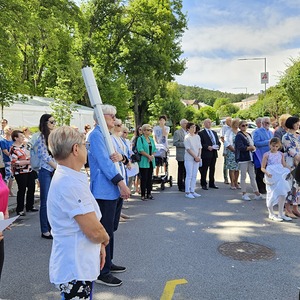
(124, 190)
(176, 140)
(92, 228)
(264, 164)
(102, 256)
(44, 154)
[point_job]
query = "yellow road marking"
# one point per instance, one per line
(170, 288)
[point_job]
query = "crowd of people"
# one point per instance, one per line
(83, 212)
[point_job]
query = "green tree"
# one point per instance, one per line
(291, 82)
(227, 110)
(150, 52)
(220, 102)
(190, 113)
(172, 106)
(206, 112)
(63, 105)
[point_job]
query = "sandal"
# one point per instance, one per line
(233, 188)
(296, 213)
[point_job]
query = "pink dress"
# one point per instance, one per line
(4, 192)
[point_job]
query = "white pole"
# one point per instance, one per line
(95, 99)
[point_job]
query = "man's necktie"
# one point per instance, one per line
(211, 137)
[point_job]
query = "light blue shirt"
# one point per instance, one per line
(104, 174)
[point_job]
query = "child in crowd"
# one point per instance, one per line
(276, 171)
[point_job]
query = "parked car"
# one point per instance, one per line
(251, 127)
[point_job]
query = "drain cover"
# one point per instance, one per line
(246, 251)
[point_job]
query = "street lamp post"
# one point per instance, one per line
(265, 73)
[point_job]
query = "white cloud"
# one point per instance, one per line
(212, 49)
(226, 74)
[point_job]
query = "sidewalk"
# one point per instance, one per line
(12, 201)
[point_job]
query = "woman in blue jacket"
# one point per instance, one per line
(146, 147)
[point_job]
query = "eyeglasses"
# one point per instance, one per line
(244, 125)
(111, 115)
(52, 122)
(267, 123)
(118, 125)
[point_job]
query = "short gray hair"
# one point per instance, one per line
(146, 126)
(106, 109)
(62, 139)
(183, 121)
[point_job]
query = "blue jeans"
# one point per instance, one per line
(111, 211)
(45, 177)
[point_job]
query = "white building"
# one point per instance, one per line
(28, 113)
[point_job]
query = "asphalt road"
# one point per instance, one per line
(173, 238)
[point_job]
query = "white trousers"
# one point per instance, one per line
(247, 167)
(191, 168)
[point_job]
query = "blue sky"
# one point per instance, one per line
(221, 32)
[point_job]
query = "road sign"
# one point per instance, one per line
(264, 77)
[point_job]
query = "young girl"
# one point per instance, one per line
(276, 171)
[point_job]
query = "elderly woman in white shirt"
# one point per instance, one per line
(192, 159)
(79, 239)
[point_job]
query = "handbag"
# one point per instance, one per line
(136, 156)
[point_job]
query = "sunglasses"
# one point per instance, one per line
(111, 115)
(118, 125)
(266, 123)
(148, 129)
(244, 125)
(87, 145)
(125, 132)
(52, 122)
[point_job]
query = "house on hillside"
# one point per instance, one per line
(195, 103)
(246, 103)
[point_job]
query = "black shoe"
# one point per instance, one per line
(117, 269)
(150, 197)
(21, 214)
(109, 280)
(204, 187)
(48, 237)
(213, 187)
(181, 190)
(32, 209)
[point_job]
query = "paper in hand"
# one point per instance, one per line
(5, 223)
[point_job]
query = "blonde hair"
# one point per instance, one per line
(235, 123)
(62, 139)
(283, 118)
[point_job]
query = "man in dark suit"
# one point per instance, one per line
(210, 146)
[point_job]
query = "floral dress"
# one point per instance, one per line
(291, 145)
(230, 162)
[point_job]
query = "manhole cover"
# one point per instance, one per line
(246, 251)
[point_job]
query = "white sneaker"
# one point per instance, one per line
(189, 195)
(246, 197)
(285, 218)
(275, 218)
(259, 197)
(196, 194)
